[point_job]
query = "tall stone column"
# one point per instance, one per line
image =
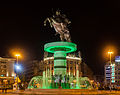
(69, 67)
(44, 80)
(73, 69)
(50, 70)
(46, 70)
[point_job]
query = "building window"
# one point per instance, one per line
(2, 75)
(107, 69)
(3, 66)
(3, 71)
(107, 73)
(3, 62)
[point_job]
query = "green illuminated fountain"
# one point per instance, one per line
(60, 79)
(60, 49)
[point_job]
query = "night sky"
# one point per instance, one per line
(93, 28)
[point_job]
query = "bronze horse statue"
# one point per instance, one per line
(60, 23)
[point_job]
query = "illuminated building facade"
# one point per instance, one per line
(117, 70)
(73, 64)
(112, 72)
(36, 67)
(7, 70)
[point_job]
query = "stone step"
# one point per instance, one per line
(58, 91)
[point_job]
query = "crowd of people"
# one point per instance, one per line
(102, 86)
(108, 87)
(21, 86)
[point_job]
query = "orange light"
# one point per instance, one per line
(110, 52)
(17, 55)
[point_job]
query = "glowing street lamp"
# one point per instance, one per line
(17, 67)
(110, 53)
(17, 55)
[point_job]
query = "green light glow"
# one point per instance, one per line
(2, 75)
(60, 49)
(60, 46)
(113, 81)
(60, 63)
(113, 77)
(60, 77)
(113, 73)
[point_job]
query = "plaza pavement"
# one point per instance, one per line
(68, 92)
(60, 92)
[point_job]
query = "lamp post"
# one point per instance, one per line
(110, 53)
(17, 55)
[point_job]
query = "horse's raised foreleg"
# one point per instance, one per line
(49, 20)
